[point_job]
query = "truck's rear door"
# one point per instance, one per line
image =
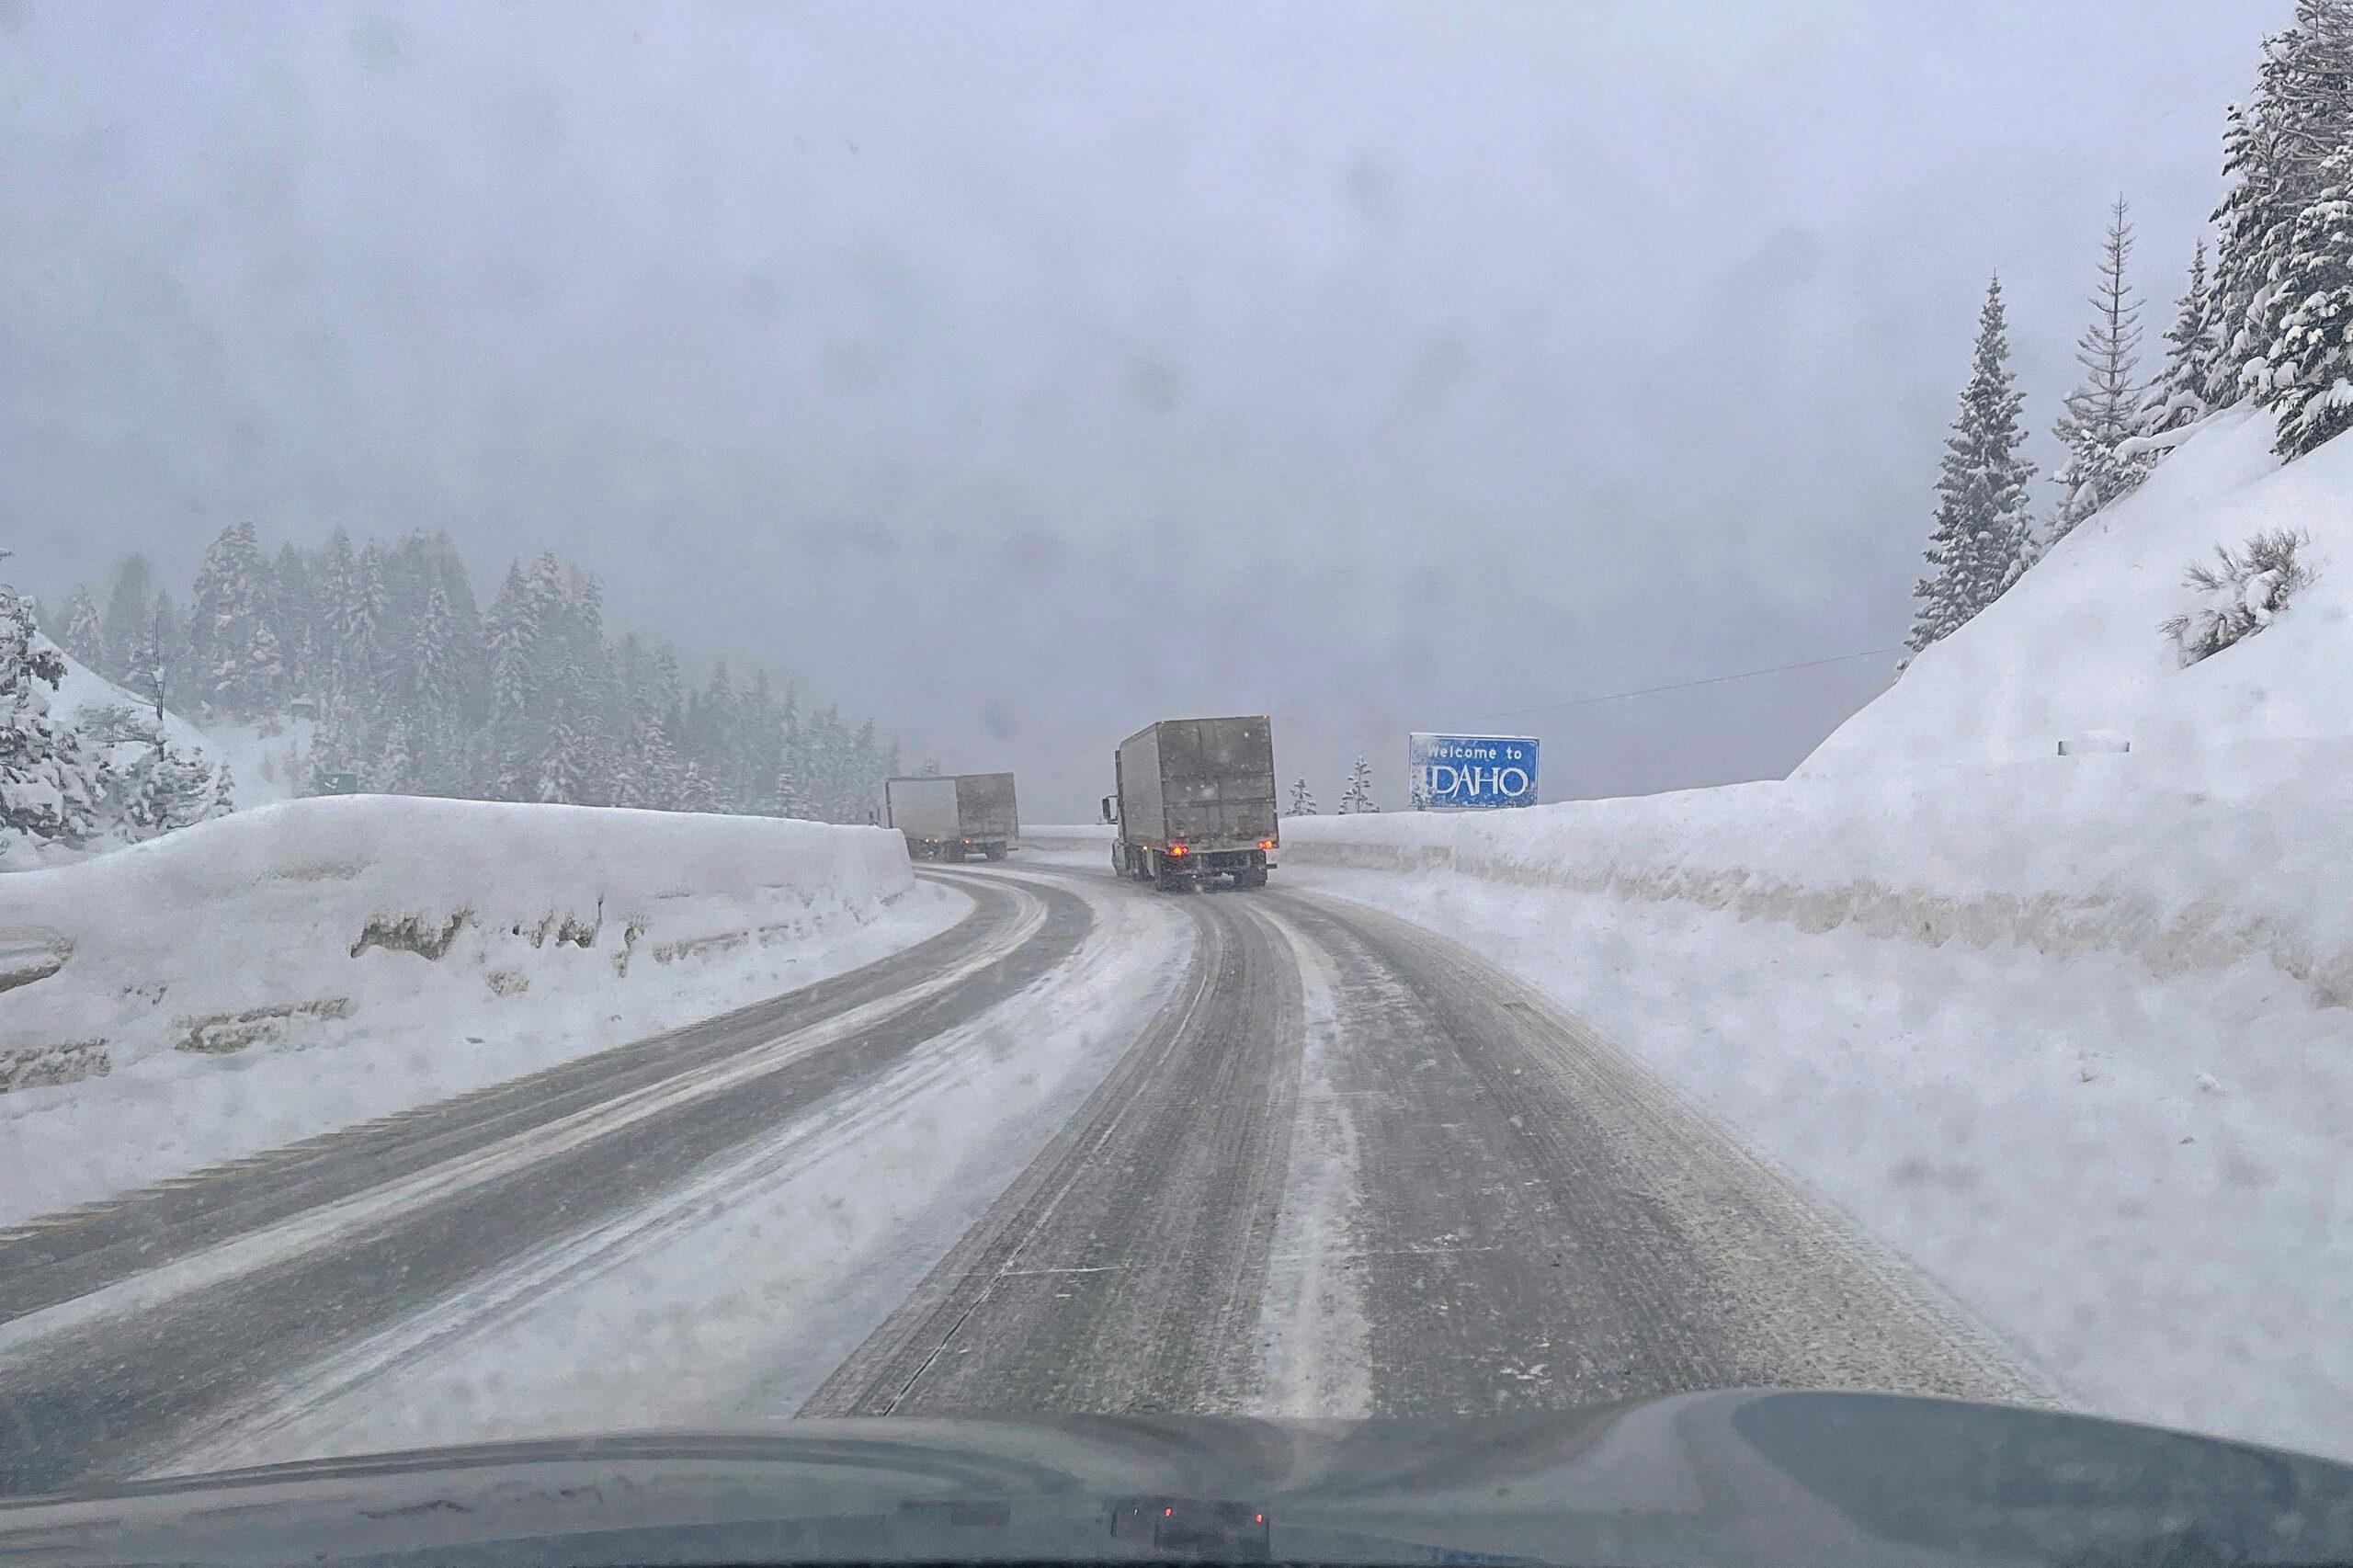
(1219, 775)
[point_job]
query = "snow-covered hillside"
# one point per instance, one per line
(267, 763)
(255, 979)
(83, 691)
(2074, 650)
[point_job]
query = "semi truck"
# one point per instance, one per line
(1195, 800)
(954, 816)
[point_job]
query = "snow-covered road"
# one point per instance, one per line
(1095, 1148)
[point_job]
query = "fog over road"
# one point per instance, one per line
(1094, 1149)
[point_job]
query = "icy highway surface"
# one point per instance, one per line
(1096, 1149)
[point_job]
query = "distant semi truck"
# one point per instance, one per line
(954, 816)
(1196, 799)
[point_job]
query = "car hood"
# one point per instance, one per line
(1736, 1477)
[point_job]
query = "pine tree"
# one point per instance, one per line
(1982, 540)
(2180, 395)
(2105, 410)
(694, 791)
(294, 617)
(335, 592)
(436, 686)
(240, 673)
(50, 787)
(83, 639)
(155, 789)
(1358, 797)
(1302, 802)
(370, 601)
(129, 616)
(864, 784)
(393, 770)
(715, 725)
(512, 630)
(2310, 387)
(2302, 111)
(163, 652)
(760, 749)
(562, 766)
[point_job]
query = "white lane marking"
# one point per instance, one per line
(1207, 958)
(492, 1162)
(1325, 1255)
(1311, 1325)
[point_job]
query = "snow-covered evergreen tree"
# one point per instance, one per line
(335, 589)
(436, 687)
(2181, 394)
(2105, 409)
(512, 630)
(294, 614)
(2272, 150)
(153, 787)
(365, 611)
(392, 769)
(163, 652)
(129, 616)
(715, 728)
(563, 764)
(83, 638)
(760, 749)
(2311, 383)
(1302, 802)
(49, 786)
(1983, 538)
(417, 689)
(239, 668)
(1358, 797)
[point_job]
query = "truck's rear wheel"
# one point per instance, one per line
(1166, 880)
(1255, 877)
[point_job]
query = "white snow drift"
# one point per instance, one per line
(260, 978)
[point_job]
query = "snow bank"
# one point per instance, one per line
(269, 975)
(2181, 864)
(2075, 1034)
(2074, 647)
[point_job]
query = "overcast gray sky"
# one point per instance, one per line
(1020, 374)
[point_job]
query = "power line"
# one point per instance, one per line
(1687, 684)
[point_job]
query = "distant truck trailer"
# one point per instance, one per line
(1195, 800)
(954, 816)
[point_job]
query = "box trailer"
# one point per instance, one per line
(1195, 799)
(954, 816)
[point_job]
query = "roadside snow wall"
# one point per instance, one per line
(2184, 863)
(2075, 1035)
(320, 922)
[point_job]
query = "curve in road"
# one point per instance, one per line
(280, 1261)
(1474, 1204)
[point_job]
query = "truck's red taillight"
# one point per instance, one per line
(1175, 849)
(1266, 844)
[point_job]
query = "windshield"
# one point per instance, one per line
(717, 714)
